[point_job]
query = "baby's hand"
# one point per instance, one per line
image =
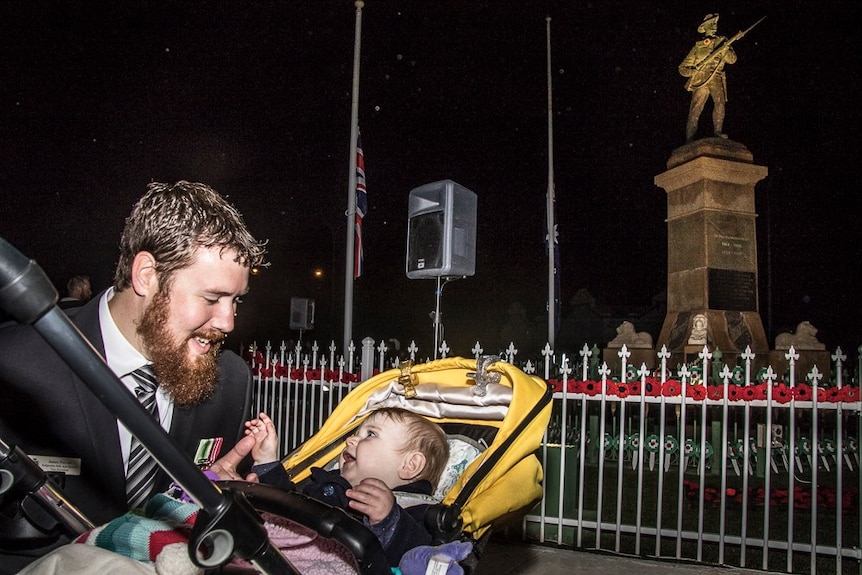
(265, 447)
(373, 498)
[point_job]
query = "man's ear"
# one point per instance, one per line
(145, 278)
(412, 465)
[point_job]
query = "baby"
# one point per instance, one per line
(392, 449)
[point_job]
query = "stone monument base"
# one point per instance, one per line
(729, 331)
(712, 252)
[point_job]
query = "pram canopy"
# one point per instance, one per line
(487, 400)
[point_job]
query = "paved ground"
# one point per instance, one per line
(504, 557)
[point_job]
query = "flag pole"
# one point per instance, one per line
(551, 217)
(351, 186)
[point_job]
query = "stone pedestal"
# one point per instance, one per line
(712, 248)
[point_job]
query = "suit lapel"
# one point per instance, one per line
(182, 425)
(101, 423)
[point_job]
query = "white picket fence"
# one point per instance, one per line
(749, 471)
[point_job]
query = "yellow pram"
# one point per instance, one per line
(495, 416)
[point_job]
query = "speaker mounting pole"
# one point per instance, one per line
(438, 325)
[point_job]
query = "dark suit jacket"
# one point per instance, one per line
(45, 409)
(70, 302)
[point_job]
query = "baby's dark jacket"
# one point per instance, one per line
(401, 530)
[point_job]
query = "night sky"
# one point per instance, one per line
(253, 98)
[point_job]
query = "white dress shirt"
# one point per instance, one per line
(123, 359)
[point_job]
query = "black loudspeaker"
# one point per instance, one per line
(441, 231)
(301, 313)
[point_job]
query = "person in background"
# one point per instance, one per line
(185, 256)
(78, 292)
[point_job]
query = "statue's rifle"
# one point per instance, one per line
(719, 52)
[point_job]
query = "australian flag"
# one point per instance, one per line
(555, 236)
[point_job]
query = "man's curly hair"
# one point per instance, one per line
(171, 221)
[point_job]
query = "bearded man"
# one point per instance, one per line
(185, 257)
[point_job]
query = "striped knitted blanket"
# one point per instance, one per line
(158, 535)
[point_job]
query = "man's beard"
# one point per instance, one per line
(187, 381)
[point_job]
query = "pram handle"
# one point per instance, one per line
(19, 473)
(28, 295)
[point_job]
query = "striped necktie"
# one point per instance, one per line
(142, 468)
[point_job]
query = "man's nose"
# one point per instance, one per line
(223, 316)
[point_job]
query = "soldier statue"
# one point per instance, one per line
(704, 68)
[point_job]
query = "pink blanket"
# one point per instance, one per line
(305, 549)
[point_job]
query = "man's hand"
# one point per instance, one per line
(372, 498)
(225, 467)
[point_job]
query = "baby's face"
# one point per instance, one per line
(375, 450)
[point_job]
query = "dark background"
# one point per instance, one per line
(253, 98)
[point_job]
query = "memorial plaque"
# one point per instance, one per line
(732, 290)
(731, 241)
